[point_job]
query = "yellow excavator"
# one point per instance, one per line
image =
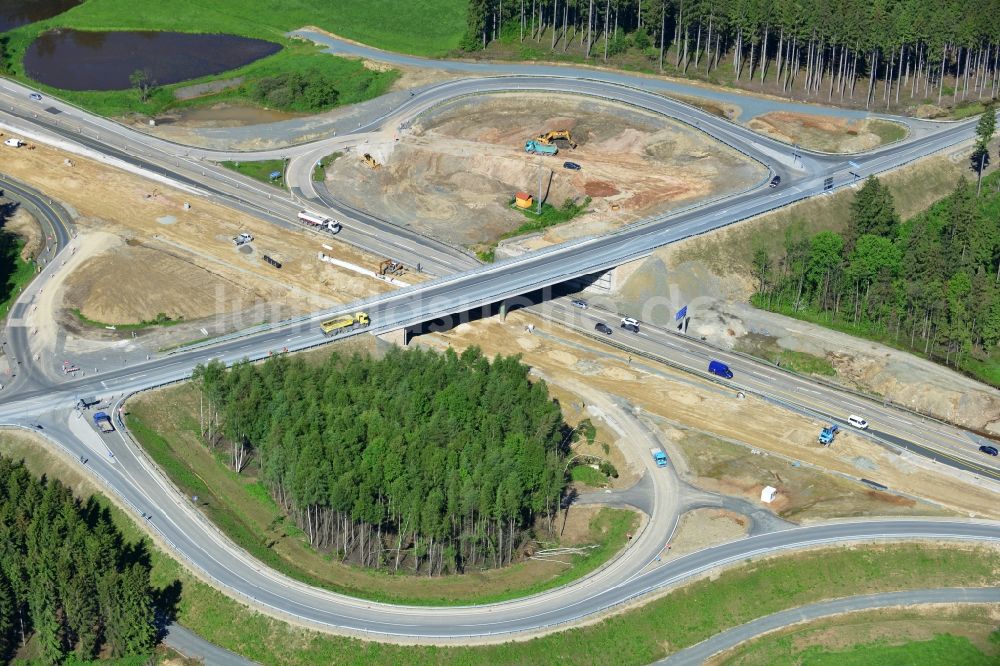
(554, 135)
(370, 161)
(390, 267)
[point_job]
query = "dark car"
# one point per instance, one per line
(991, 450)
(601, 327)
(571, 165)
(578, 303)
(775, 181)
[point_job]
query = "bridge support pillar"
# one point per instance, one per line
(399, 337)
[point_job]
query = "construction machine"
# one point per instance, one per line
(370, 161)
(556, 135)
(390, 267)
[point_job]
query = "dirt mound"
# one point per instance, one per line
(167, 283)
(453, 174)
(814, 132)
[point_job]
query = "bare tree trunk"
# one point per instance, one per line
(590, 25)
(763, 54)
(663, 29)
(607, 10)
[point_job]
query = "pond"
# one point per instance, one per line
(79, 60)
(18, 12)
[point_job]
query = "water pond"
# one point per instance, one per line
(79, 60)
(19, 12)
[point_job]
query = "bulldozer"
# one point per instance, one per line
(370, 161)
(390, 267)
(555, 135)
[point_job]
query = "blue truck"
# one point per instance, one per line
(659, 457)
(827, 434)
(721, 369)
(103, 422)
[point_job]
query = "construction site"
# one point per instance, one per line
(454, 173)
(143, 249)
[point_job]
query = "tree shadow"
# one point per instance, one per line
(974, 160)
(166, 604)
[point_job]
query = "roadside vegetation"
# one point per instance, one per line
(927, 285)
(161, 319)
(961, 634)
(260, 170)
(319, 171)
(641, 636)
(15, 272)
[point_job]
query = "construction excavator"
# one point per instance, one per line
(370, 161)
(390, 267)
(556, 135)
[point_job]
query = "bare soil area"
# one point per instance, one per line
(679, 400)
(156, 256)
(827, 134)
(453, 174)
(704, 528)
(804, 492)
(26, 226)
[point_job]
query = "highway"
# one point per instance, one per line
(899, 429)
(461, 285)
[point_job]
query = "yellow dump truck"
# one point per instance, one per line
(344, 323)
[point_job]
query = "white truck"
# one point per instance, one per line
(242, 239)
(317, 221)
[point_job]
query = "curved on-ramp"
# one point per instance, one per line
(698, 654)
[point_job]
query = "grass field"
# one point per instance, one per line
(953, 635)
(166, 424)
(640, 636)
(261, 170)
(421, 27)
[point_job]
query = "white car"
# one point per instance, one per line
(36, 97)
(630, 321)
(857, 422)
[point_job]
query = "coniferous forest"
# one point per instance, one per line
(418, 461)
(930, 284)
(66, 580)
(868, 51)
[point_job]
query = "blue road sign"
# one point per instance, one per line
(681, 313)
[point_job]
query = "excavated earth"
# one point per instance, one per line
(454, 172)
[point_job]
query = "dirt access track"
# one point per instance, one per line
(144, 253)
(453, 174)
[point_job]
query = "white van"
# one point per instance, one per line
(857, 422)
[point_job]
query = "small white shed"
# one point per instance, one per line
(768, 494)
